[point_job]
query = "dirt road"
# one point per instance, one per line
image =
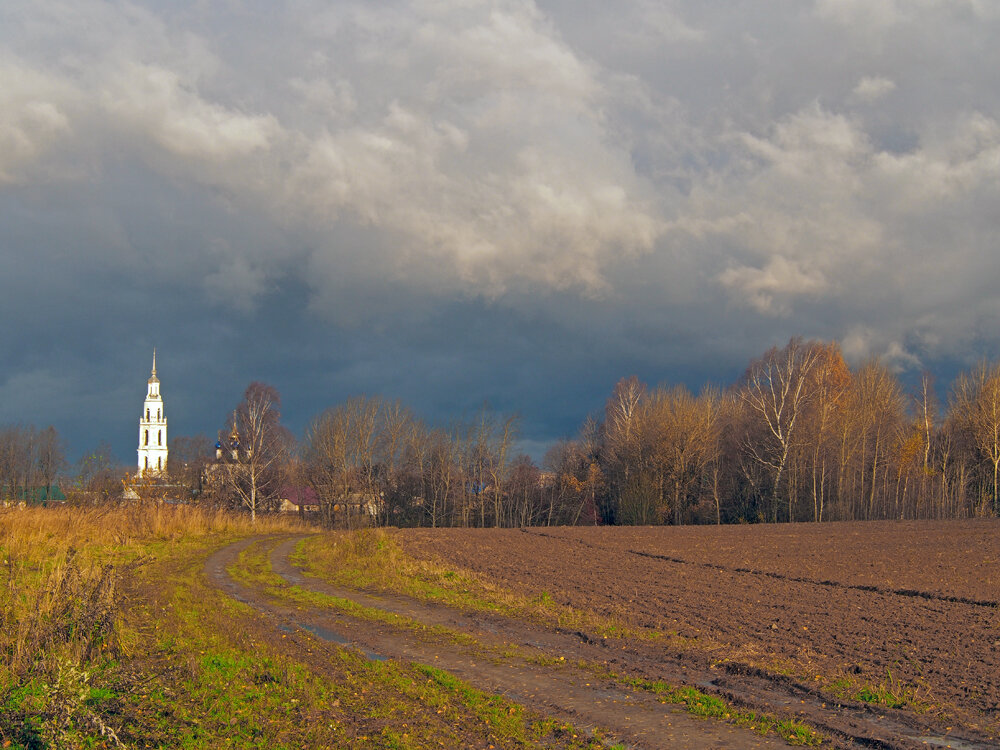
(634, 717)
(538, 667)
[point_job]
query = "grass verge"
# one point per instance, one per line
(253, 568)
(371, 559)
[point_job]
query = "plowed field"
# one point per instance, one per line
(893, 614)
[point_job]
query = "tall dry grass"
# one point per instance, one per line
(53, 556)
(35, 530)
(61, 576)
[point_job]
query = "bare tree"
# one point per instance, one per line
(775, 389)
(443, 476)
(17, 460)
(396, 428)
(685, 430)
(189, 457)
(926, 407)
(99, 477)
(976, 404)
(51, 457)
(355, 456)
(622, 448)
(262, 448)
(325, 456)
(883, 410)
(831, 382)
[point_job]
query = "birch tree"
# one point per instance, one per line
(262, 448)
(776, 392)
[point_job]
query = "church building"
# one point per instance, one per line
(152, 429)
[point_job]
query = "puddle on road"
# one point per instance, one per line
(234, 590)
(951, 742)
(328, 635)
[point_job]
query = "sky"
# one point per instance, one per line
(457, 203)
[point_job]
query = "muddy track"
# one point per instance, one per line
(634, 717)
(575, 695)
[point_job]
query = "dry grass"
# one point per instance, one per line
(65, 565)
(51, 529)
(62, 629)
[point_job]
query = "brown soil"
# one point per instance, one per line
(911, 606)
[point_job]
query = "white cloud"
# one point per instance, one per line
(33, 118)
(153, 101)
(873, 88)
(816, 213)
(867, 14)
(499, 164)
(770, 289)
(476, 135)
(862, 343)
(898, 359)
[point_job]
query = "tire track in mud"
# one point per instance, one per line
(911, 593)
(581, 698)
(565, 692)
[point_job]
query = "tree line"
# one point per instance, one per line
(30, 462)
(800, 437)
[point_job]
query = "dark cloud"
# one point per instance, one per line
(510, 202)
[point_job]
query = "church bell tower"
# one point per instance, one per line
(152, 429)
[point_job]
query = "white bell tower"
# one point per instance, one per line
(152, 429)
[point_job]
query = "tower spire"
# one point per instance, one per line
(153, 429)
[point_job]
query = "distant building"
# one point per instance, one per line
(40, 495)
(295, 499)
(152, 429)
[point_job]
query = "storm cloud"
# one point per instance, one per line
(514, 202)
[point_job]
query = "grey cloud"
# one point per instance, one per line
(664, 188)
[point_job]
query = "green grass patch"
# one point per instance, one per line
(891, 692)
(236, 693)
(880, 694)
(699, 703)
(508, 721)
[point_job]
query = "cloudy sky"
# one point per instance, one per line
(511, 201)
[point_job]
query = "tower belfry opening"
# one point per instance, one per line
(152, 454)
